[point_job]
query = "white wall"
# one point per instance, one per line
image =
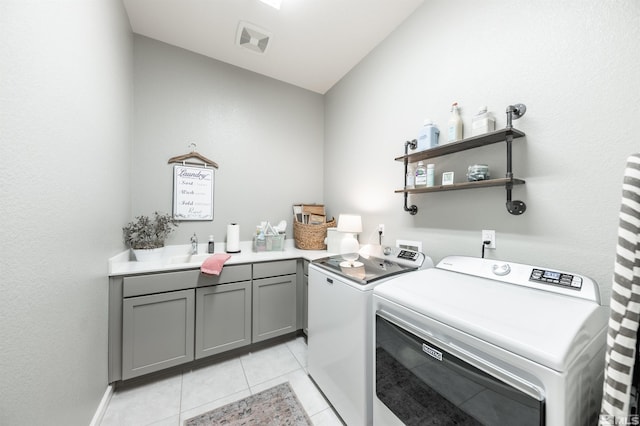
(65, 108)
(573, 63)
(265, 135)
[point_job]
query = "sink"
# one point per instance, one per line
(189, 258)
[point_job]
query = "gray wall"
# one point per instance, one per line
(65, 108)
(574, 64)
(265, 135)
(70, 178)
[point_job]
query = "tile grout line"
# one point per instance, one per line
(244, 373)
(181, 393)
(294, 355)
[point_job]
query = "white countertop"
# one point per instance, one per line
(121, 264)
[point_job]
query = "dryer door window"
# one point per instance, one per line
(422, 383)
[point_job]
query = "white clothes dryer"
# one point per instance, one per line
(478, 341)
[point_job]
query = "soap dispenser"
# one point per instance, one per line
(211, 246)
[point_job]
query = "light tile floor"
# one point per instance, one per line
(171, 400)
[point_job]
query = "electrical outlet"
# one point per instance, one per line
(489, 235)
(381, 229)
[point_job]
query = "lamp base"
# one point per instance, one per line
(349, 247)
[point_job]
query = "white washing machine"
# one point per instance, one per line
(476, 341)
(340, 329)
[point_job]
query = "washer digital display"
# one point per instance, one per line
(552, 275)
(556, 278)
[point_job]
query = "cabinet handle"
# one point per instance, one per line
(329, 280)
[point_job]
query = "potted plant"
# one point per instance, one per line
(145, 236)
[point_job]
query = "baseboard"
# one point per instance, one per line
(104, 403)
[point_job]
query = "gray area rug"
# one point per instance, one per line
(276, 406)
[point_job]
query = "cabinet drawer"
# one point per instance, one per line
(181, 280)
(229, 274)
(274, 269)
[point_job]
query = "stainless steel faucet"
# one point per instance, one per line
(194, 244)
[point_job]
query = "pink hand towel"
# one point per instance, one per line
(213, 264)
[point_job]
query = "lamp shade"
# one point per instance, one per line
(350, 223)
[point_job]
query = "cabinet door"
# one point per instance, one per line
(157, 332)
(223, 318)
(274, 307)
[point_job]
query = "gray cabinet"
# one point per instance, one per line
(164, 319)
(223, 318)
(154, 322)
(302, 275)
(305, 296)
(274, 299)
(157, 332)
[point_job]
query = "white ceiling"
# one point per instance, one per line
(313, 43)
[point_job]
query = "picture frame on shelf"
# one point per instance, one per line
(447, 178)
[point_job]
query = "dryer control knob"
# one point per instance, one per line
(501, 269)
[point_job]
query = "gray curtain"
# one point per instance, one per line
(619, 400)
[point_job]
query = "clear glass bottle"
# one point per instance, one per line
(260, 239)
(410, 181)
(421, 175)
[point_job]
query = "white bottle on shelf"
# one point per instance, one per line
(431, 172)
(421, 175)
(482, 122)
(454, 125)
(428, 136)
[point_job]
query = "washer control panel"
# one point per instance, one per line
(531, 276)
(408, 254)
(556, 278)
(408, 257)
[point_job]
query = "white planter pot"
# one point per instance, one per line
(149, 255)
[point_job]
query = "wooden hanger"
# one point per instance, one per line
(193, 154)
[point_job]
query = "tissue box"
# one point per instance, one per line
(269, 243)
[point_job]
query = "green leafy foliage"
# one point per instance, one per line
(149, 233)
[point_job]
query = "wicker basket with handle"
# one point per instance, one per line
(311, 236)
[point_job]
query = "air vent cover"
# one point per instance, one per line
(252, 37)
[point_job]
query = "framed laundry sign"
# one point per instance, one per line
(193, 192)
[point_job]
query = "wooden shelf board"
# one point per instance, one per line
(463, 145)
(463, 185)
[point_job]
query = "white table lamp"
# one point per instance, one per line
(349, 224)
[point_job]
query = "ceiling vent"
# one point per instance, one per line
(252, 37)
